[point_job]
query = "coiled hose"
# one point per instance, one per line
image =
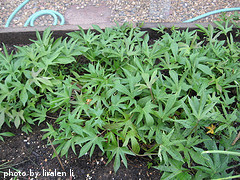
(33, 17)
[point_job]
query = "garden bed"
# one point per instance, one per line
(28, 152)
(121, 96)
(21, 35)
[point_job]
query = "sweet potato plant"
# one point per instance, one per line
(171, 99)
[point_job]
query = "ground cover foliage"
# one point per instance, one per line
(172, 99)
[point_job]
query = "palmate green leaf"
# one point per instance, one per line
(157, 50)
(35, 74)
(115, 53)
(118, 104)
(39, 113)
(119, 153)
(51, 132)
(100, 100)
(91, 139)
(203, 169)
(50, 58)
(227, 101)
(146, 111)
(171, 106)
(173, 171)
(200, 108)
(228, 119)
(18, 116)
(86, 148)
(149, 82)
(133, 79)
(80, 105)
(68, 47)
(39, 81)
(97, 118)
(92, 142)
(169, 176)
(168, 146)
(63, 97)
(45, 39)
(216, 164)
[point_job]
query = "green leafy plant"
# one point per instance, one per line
(170, 99)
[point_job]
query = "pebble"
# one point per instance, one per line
(121, 10)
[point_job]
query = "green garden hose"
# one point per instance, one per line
(212, 12)
(33, 17)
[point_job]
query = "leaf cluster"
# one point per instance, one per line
(136, 96)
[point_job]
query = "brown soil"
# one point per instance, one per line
(28, 153)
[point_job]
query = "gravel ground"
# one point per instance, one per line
(121, 10)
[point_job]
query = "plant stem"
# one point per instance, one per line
(236, 139)
(56, 154)
(52, 117)
(194, 128)
(151, 94)
(142, 154)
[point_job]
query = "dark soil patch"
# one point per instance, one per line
(28, 153)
